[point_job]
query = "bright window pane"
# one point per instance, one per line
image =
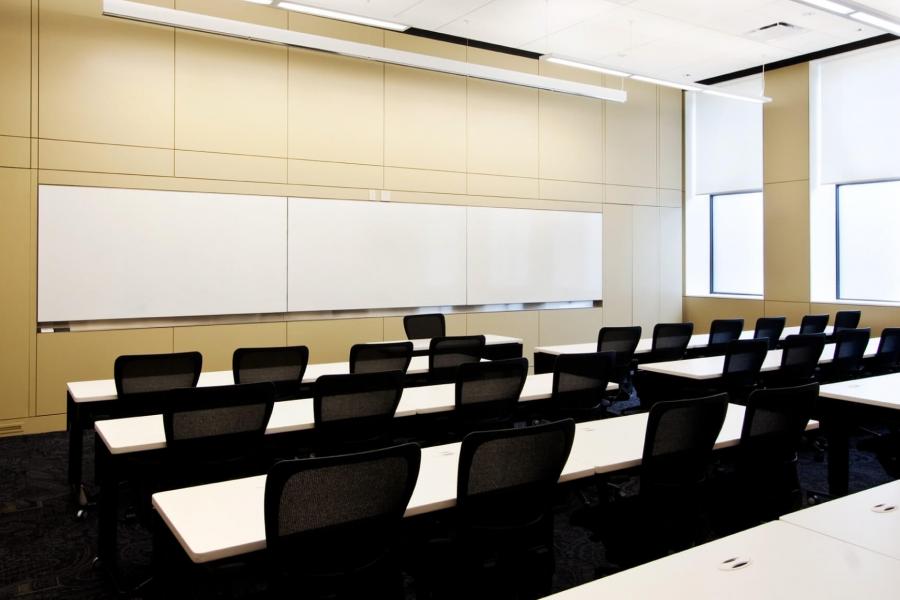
(737, 244)
(868, 241)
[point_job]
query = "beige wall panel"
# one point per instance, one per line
(237, 10)
(493, 201)
(393, 326)
(336, 108)
(422, 45)
(16, 324)
(786, 244)
(330, 341)
(208, 165)
(336, 29)
(573, 326)
(15, 152)
(574, 191)
(793, 311)
(33, 425)
(702, 310)
(786, 125)
(217, 343)
(571, 137)
(524, 324)
(642, 196)
(647, 250)
(104, 158)
(418, 180)
(310, 172)
(631, 132)
(503, 129)
(618, 271)
(501, 60)
(671, 289)
(425, 119)
(230, 95)
(102, 79)
(65, 357)
(670, 138)
(498, 185)
(874, 317)
(15, 67)
(671, 198)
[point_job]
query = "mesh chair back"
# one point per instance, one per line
(774, 422)
(376, 358)
(769, 329)
(282, 366)
(355, 411)
(846, 319)
(678, 443)
(888, 357)
(425, 326)
(445, 354)
(722, 331)
(800, 356)
(338, 515)
(623, 341)
(141, 373)
(849, 351)
(813, 324)
(580, 381)
(487, 392)
(743, 360)
(670, 341)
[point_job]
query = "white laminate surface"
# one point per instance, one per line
(882, 390)
(423, 344)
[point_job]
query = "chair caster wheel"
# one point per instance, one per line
(81, 514)
(96, 563)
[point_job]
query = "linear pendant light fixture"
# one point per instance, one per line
(181, 19)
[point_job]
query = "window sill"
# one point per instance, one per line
(857, 303)
(730, 296)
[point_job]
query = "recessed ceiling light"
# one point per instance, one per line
(877, 22)
(672, 84)
(341, 16)
(587, 66)
(829, 6)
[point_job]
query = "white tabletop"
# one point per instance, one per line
(883, 391)
(785, 563)
(865, 519)
(423, 344)
(710, 367)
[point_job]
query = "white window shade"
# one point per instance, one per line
(859, 128)
(737, 244)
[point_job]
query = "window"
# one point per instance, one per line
(868, 241)
(736, 243)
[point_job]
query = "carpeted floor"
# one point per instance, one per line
(46, 553)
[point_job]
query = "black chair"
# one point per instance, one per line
(446, 354)
(800, 356)
(331, 523)
(849, 352)
(670, 342)
(424, 326)
(846, 319)
(813, 324)
(770, 329)
(743, 361)
(487, 393)
(579, 384)
(355, 412)
(721, 332)
(887, 359)
(502, 546)
(374, 358)
(282, 366)
(623, 341)
(141, 373)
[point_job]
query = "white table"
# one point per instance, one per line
(421, 345)
(869, 519)
(882, 391)
(786, 562)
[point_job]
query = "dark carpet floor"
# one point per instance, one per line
(45, 552)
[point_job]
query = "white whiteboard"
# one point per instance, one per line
(113, 254)
(345, 254)
(518, 255)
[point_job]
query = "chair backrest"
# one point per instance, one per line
(424, 326)
(670, 341)
(336, 515)
(888, 357)
(849, 351)
(813, 324)
(800, 356)
(375, 358)
(354, 412)
(140, 373)
(623, 341)
(769, 329)
(445, 354)
(722, 331)
(743, 360)
(282, 366)
(487, 392)
(580, 381)
(678, 443)
(846, 319)
(507, 478)
(774, 422)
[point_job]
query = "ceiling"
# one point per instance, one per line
(678, 40)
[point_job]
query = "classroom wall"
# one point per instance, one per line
(88, 100)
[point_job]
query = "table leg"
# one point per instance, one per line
(108, 514)
(73, 421)
(836, 426)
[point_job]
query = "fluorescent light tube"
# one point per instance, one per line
(681, 86)
(587, 66)
(829, 6)
(264, 2)
(341, 16)
(715, 92)
(877, 22)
